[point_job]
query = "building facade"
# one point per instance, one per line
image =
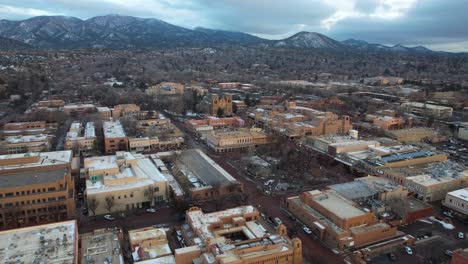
(225, 141)
(36, 188)
(115, 138)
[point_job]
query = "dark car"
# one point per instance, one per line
(392, 256)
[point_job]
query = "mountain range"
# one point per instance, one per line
(120, 32)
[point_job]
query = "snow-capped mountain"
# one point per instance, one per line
(309, 40)
(363, 45)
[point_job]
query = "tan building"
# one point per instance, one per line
(458, 202)
(123, 110)
(81, 142)
(166, 88)
(28, 128)
(387, 122)
(430, 181)
(115, 138)
(101, 246)
(55, 243)
(79, 109)
(104, 112)
(25, 125)
(333, 145)
(150, 243)
(414, 134)
(123, 182)
(23, 144)
(225, 141)
(146, 144)
(337, 221)
(425, 109)
(235, 236)
(36, 188)
(298, 122)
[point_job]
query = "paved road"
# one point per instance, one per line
(168, 216)
(313, 250)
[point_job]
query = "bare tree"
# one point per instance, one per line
(93, 205)
(150, 192)
(110, 203)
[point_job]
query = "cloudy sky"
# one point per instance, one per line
(438, 24)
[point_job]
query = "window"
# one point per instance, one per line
(156, 189)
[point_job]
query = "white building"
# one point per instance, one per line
(123, 182)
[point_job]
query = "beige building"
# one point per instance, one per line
(225, 141)
(81, 141)
(150, 243)
(104, 112)
(23, 144)
(115, 138)
(457, 201)
(36, 188)
(430, 181)
(333, 145)
(146, 144)
(166, 88)
(123, 182)
(101, 246)
(79, 109)
(298, 122)
(425, 109)
(338, 222)
(387, 122)
(235, 236)
(414, 134)
(55, 243)
(123, 110)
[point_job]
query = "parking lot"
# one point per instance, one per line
(433, 245)
(457, 149)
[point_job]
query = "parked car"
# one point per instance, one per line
(278, 221)
(109, 217)
(151, 210)
(448, 214)
(307, 230)
(409, 251)
(461, 235)
(448, 252)
(392, 256)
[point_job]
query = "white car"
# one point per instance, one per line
(461, 235)
(307, 230)
(109, 217)
(151, 210)
(409, 251)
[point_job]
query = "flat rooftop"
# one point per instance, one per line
(195, 163)
(36, 160)
(460, 194)
(113, 130)
(337, 204)
(363, 187)
(101, 245)
(31, 178)
(54, 243)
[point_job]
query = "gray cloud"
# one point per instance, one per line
(435, 23)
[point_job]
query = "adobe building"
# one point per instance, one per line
(79, 109)
(81, 141)
(123, 182)
(115, 138)
(101, 246)
(123, 110)
(104, 112)
(150, 243)
(36, 188)
(235, 236)
(23, 144)
(427, 110)
(414, 134)
(54, 243)
(226, 141)
(337, 221)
